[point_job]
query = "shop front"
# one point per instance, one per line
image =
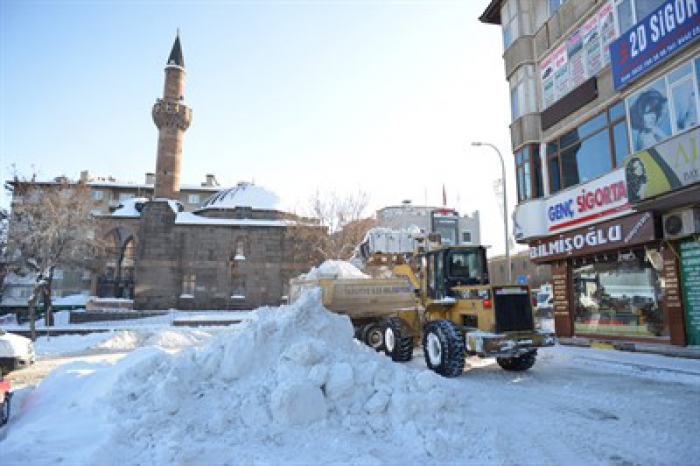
(615, 280)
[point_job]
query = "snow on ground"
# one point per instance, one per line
(292, 386)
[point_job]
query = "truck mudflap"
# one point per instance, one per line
(492, 345)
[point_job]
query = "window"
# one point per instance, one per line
(58, 274)
(125, 196)
(619, 295)
(522, 92)
(588, 151)
(663, 108)
(97, 195)
(466, 237)
(515, 20)
(554, 5)
(193, 199)
(238, 287)
(189, 281)
(528, 168)
(631, 12)
(87, 275)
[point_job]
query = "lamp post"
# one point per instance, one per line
(505, 205)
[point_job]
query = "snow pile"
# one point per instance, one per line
(292, 380)
(335, 269)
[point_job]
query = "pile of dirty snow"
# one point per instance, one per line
(335, 269)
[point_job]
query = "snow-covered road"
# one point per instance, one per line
(293, 387)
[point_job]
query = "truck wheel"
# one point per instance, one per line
(398, 346)
(373, 336)
(443, 347)
(5, 411)
(517, 364)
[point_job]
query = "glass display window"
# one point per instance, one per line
(619, 295)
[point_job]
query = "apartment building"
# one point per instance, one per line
(604, 131)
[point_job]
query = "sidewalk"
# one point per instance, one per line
(690, 352)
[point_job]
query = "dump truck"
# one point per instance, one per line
(368, 302)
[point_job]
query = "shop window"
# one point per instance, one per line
(665, 107)
(588, 151)
(631, 12)
(618, 295)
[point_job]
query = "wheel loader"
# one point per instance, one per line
(440, 298)
(460, 314)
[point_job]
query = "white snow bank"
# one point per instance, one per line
(293, 383)
(336, 269)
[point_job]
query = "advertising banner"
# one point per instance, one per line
(614, 234)
(547, 78)
(665, 167)
(604, 197)
(591, 41)
(690, 277)
(667, 30)
(582, 55)
(561, 72)
(606, 20)
(575, 53)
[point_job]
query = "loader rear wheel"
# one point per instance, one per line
(517, 364)
(373, 336)
(399, 347)
(443, 347)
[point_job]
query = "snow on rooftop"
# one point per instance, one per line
(244, 194)
(334, 268)
(132, 207)
(189, 218)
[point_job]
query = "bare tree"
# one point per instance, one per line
(51, 225)
(345, 223)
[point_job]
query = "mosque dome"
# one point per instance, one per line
(244, 194)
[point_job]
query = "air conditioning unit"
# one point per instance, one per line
(681, 223)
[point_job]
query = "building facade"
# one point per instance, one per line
(178, 246)
(454, 229)
(604, 131)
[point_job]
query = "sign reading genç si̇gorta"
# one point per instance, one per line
(670, 28)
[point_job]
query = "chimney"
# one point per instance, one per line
(85, 176)
(211, 180)
(150, 178)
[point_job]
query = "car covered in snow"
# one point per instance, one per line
(16, 352)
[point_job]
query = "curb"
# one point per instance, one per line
(664, 350)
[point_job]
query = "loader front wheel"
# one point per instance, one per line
(399, 347)
(373, 336)
(517, 364)
(443, 347)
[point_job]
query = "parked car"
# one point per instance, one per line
(5, 397)
(16, 352)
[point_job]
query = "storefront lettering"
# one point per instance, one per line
(591, 238)
(561, 210)
(633, 232)
(601, 197)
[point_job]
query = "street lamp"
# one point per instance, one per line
(505, 204)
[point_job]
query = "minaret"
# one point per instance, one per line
(172, 117)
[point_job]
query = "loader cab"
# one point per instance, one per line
(453, 266)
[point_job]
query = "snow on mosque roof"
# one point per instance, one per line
(244, 194)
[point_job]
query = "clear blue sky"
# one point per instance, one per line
(298, 96)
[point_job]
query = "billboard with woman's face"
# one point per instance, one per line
(649, 116)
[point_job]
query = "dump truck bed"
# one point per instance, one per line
(360, 298)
